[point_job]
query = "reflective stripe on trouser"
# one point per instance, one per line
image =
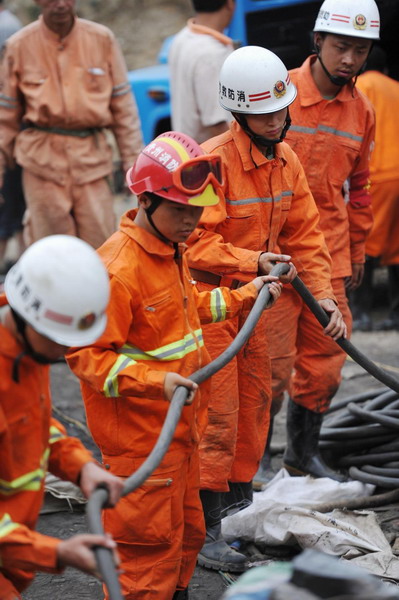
(297, 340)
(383, 240)
(239, 408)
(159, 530)
(85, 211)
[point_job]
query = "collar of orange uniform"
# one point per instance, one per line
(150, 243)
(220, 37)
(251, 156)
(54, 37)
(308, 92)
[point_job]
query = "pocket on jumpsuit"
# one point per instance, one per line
(144, 516)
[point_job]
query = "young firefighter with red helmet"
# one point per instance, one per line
(55, 297)
(267, 208)
(152, 343)
(332, 132)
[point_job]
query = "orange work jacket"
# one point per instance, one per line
(31, 442)
(154, 326)
(383, 93)
(268, 205)
(75, 83)
(333, 140)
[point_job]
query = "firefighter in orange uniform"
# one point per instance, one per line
(56, 296)
(267, 206)
(64, 83)
(152, 344)
(332, 133)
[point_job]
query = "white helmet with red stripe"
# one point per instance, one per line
(60, 287)
(253, 80)
(355, 18)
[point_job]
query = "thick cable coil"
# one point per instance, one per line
(363, 437)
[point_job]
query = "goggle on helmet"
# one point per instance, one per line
(176, 168)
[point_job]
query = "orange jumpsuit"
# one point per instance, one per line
(383, 92)
(65, 94)
(268, 203)
(333, 140)
(154, 326)
(31, 442)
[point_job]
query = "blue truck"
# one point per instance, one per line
(283, 26)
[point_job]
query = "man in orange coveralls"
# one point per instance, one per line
(383, 241)
(152, 343)
(55, 296)
(267, 205)
(332, 133)
(64, 81)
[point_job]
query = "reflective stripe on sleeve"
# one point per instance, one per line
(30, 482)
(258, 200)
(218, 306)
(326, 129)
(110, 388)
(55, 434)
(7, 525)
(172, 351)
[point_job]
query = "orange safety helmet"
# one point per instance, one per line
(176, 168)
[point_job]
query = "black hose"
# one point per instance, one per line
(373, 417)
(360, 397)
(366, 459)
(349, 433)
(378, 480)
(346, 345)
(387, 471)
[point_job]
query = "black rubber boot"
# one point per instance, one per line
(240, 496)
(392, 321)
(181, 595)
(302, 456)
(265, 472)
(361, 299)
(216, 553)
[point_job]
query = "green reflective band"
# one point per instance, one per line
(55, 434)
(30, 482)
(110, 388)
(7, 525)
(218, 306)
(171, 351)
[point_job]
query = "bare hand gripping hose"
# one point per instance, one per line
(99, 498)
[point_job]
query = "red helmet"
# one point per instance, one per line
(175, 167)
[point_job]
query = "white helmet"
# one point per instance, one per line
(255, 81)
(356, 18)
(61, 288)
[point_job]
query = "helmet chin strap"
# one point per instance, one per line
(155, 202)
(28, 351)
(260, 140)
